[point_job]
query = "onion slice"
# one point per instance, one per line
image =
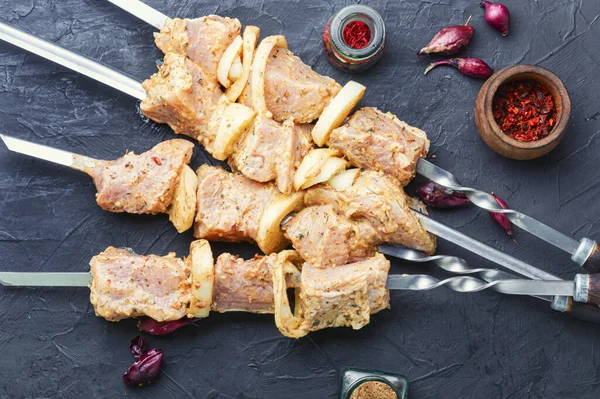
(311, 165)
(345, 179)
(250, 39)
(336, 111)
(287, 322)
(234, 49)
(236, 69)
(270, 237)
(183, 206)
(234, 121)
(331, 167)
(201, 264)
(259, 67)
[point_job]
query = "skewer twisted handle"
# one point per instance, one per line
(452, 264)
(424, 282)
(584, 252)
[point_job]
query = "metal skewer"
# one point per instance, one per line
(73, 61)
(143, 12)
(69, 159)
(583, 289)
(75, 161)
(452, 264)
(582, 252)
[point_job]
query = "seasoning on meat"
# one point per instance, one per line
(167, 288)
(375, 199)
(271, 151)
(244, 285)
(341, 296)
(325, 237)
(203, 40)
(142, 183)
(374, 140)
(232, 207)
(183, 95)
(229, 205)
(293, 89)
(125, 284)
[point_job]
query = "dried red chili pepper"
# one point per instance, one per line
(157, 161)
(524, 110)
(357, 34)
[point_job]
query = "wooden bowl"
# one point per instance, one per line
(502, 143)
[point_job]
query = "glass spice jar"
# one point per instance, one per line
(354, 38)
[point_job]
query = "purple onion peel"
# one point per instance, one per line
(438, 196)
(154, 327)
(145, 369)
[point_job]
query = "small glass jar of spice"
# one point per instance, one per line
(354, 38)
(371, 384)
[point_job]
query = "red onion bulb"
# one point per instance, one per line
(497, 16)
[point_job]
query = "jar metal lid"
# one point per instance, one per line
(358, 13)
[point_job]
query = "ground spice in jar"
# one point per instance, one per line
(373, 390)
(354, 38)
(357, 34)
(524, 110)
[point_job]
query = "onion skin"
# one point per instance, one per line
(473, 67)
(437, 196)
(501, 218)
(497, 16)
(138, 346)
(154, 327)
(449, 40)
(145, 369)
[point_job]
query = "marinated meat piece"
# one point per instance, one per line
(293, 89)
(376, 199)
(255, 154)
(128, 285)
(203, 40)
(374, 140)
(343, 296)
(324, 238)
(304, 143)
(229, 205)
(142, 183)
(271, 151)
(244, 285)
(182, 95)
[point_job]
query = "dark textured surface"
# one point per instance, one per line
(449, 345)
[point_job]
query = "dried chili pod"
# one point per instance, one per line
(501, 218)
(138, 346)
(154, 327)
(145, 369)
(437, 196)
(473, 67)
(450, 40)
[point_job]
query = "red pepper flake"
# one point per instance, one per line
(357, 34)
(524, 110)
(157, 161)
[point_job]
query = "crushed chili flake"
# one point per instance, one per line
(357, 34)
(157, 161)
(524, 110)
